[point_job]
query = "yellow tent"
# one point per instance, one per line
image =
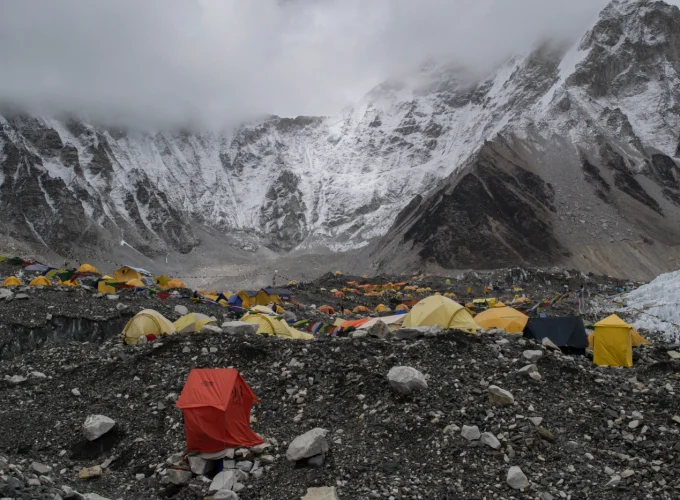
(613, 342)
(245, 299)
(174, 283)
(269, 325)
(125, 274)
(161, 280)
(147, 322)
(87, 268)
(12, 281)
(136, 283)
(338, 273)
(402, 307)
(40, 281)
(635, 338)
(360, 309)
(193, 322)
(107, 277)
(505, 318)
(263, 309)
(67, 283)
(381, 308)
(440, 310)
(280, 310)
(104, 287)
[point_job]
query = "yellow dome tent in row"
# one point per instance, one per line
(147, 322)
(504, 318)
(12, 281)
(40, 281)
(440, 310)
(193, 322)
(269, 325)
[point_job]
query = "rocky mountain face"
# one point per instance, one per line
(566, 153)
(581, 168)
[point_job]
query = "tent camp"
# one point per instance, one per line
(567, 333)
(40, 281)
(326, 309)
(127, 273)
(613, 341)
(381, 308)
(269, 325)
(148, 323)
(193, 322)
(87, 269)
(174, 283)
(12, 281)
(278, 295)
(440, 310)
(504, 318)
(216, 406)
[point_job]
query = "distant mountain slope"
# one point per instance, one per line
(555, 155)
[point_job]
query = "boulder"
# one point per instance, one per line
(209, 328)
(225, 480)
(674, 354)
(182, 310)
(96, 426)
(500, 397)
(549, 344)
(516, 478)
(239, 328)
(379, 330)
(532, 356)
(307, 445)
(470, 432)
(418, 332)
(200, 466)
(322, 493)
(179, 476)
(6, 294)
(406, 380)
(490, 440)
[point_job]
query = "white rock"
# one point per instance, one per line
(546, 342)
(75, 391)
(500, 397)
(322, 493)
(633, 424)
(244, 465)
(200, 466)
(536, 420)
(209, 328)
(37, 375)
(470, 432)
(112, 297)
(93, 496)
(239, 328)
(225, 480)
(417, 332)
(527, 370)
(609, 471)
(490, 440)
(40, 468)
(307, 445)
(179, 309)
(614, 482)
(225, 495)
(96, 426)
(532, 355)
(406, 380)
(179, 476)
(516, 478)
(627, 473)
(674, 354)
(16, 379)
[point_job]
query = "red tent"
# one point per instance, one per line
(216, 405)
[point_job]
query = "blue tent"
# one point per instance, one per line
(235, 303)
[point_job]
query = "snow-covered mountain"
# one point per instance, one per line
(513, 160)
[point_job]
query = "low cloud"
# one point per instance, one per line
(213, 62)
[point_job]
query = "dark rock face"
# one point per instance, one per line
(497, 213)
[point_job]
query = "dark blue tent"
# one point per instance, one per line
(235, 303)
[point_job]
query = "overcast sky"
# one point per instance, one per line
(222, 60)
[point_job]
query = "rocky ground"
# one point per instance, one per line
(578, 432)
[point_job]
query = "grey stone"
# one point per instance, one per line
(96, 426)
(93, 496)
(200, 466)
(6, 294)
(112, 297)
(417, 332)
(307, 445)
(239, 328)
(406, 380)
(500, 397)
(37, 375)
(614, 482)
(470, 432)
(316, 460)
(322, 493)
(179, 476)
(267, 459)
(225, 480)
(516, 478)
(490, 440)
(258, 449)
(21, 296)
(16, 379)
(549, 344)
(182, 310)
(674, 354)
(40, 468)
(210, 328)
(535, 420)
(225, 495)
(532, 356)
(244, 465)
(379, 330)
(228, 464)
(527, 370)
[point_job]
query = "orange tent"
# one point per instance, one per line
(216, 406)
(339, 295)
(402, 307)
(360, 309)
(346, 311)
(327, 310)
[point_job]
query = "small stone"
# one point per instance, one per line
(406, 380)
(37, 375)
(179, 476)
(532, 356)
(225, 480)
(549, 344)
(40, 468)
(209, 328)
(516, 478)
(609, 471)
(16, 379)
(260, 448)
(181, 310)
(614, 482)
(267, 459)
(225, 495)
(244, 465)
(96, 426)
(674, 354)
(307, 445)
(470, 432)
(322, 493)
(316, 460)
(33, 481)
(627, 473)
(633, 424)
(490, 440)
(535, 420)
(139, 477)
(499, 396)
(200, 466)
(90, 472)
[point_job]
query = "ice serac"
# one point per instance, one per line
(566, 154)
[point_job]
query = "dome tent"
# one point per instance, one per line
(440, 310)
(193, 322)
(12, 281)
(147, 323)
(40, 281)
(504, 318)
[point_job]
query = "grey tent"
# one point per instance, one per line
(568, 332)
